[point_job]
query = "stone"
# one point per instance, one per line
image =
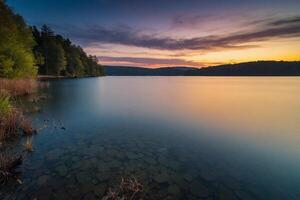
(61, 194)
(174, 165)
(226, 194)
(243, 195)
(114, 164)
(99, 190)
(132, 156)
(42, 180)
(61, 170)
(161, 177)
(208, 175)
(44, 193)
(52, 155)
(178, 180)
(188, 177)
(199, 190)
(89, 196)
(94, 181)
(174, 190)
(150, 161)
(83, 177)
(103, 176)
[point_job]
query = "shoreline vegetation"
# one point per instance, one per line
(14, 125)
(12, 118)
(52, 77)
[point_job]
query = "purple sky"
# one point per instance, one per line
(172, 32)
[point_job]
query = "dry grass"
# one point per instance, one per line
(19, 87)
(28, 144)
(9, 126)
(12, 124)
(12, 121)
(26, 126)
(129, 189)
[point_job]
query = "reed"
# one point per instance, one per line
(28, 145)
(9, 126)
(11, 117)
(19, 87)
(26, 126)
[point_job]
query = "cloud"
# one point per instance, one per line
(184, 21)
(291, 20)
(128, 36)
(149, 61)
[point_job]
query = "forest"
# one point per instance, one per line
(258, 68)
(27, 51)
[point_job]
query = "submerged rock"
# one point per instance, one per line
(132, 156)
(174, 190)
(209, 175)
(44, 193)
(99, 190)
(188, 177)
(61, 170)
(161, 177)
(199, 190)
(226, 194)
(83, 177)
(243, 195)
(89, 196)
(103, 176)
(42, 180)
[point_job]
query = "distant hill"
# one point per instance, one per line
(259, 68)
(142, 71)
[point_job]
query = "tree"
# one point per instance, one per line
(57, 55)
(56, 59)
(16, 44)
(51, 50)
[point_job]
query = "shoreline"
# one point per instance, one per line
(51, 77)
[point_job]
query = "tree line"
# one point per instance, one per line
(27, 51)
(258, 68)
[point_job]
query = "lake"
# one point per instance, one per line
(181, 137)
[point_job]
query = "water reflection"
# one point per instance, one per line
(183, 137)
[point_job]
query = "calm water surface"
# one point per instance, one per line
(182, 137)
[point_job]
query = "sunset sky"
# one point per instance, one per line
(173, 32)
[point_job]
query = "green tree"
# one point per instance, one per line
(16, 43)
(56, 59)
(51, 50)
(57, 55)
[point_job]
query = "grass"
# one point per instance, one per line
(26, 126)
(28, 144)
(18, 87)
(12, 120)
(9, 126)
(13, 123)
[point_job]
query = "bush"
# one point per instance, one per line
(5, 106)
